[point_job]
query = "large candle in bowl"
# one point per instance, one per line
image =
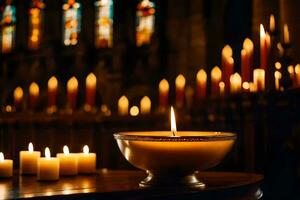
(48, 168)
(28, 160)
(86, 161)
(67, 162)
(6, 167)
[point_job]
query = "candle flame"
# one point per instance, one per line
(290, 69)
(66, 150)
(262, 32)
(145, 105)
(277, 75)
(47, 153)
(180, 81)
(91, 80)
(246, 85)
(286, 34)
(272, 23)
(34, 89)
(201, 76)
(173, 121)
(1, 157)
(18, 93)
(30, 147)
(278, 65)
(72, 83)
(297, 69)
(134, 111)
(248, 45)
(227, 51)
(52, 83)
(86, 149)
(216, 73)
(164, 85)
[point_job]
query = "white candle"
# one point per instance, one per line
(68, 163)
(123, 105)
(235, 83)
(6, 167)
(48, 168)
(28, 160)
(145, 105)
(86, 161)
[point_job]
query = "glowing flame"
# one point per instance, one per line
(52, 83)
(47, 153)
(173, 121)
(30, 147)
(66, 150)
(262, 31)
(1, 157)
(86, 149)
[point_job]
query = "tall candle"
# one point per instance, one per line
(145, 105)
(259, 79)
(216, 76)
(52, 91)
(263, 48)
(227, 64)
(222, 88)
(72, 90)
(249, 47)
(297, 73)
(28, 160)
(235, 83)
(286, 34)
(180, 90)
(34, 92)
(123, 105)
(272, 24)
(6, 167)
(18, 96)
(201, 84)
(90, 84)
(277, 76)
(163, 89)
(68, 163)
(86, 161)
(48, 168)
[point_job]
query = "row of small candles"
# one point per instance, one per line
(50, 168)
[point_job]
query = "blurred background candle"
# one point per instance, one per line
(286, 34)
(216, 76)
(34, 92)
(86, 161)
(222, 88)
(123, 106)
(291, 71)
(272, 24)
(28, 160)
(68, 163)
(259, 79)
(297, 74)
(246, 86)
(48, 168)
(249, 47)
(180, 90)
(18, 96)
(277, 76)
(227, 65)
(52, 91)
(72, 90)
(6, 167)
(163, 90)
(90, 89)
(145, 105)
(134, 111)
(235, 83)
(263, 48)
(201, 84)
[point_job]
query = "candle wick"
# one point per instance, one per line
(173, 132)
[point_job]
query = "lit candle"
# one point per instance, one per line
(86, 161)
(291, 71)
(278, 65)
(222, 88)
(48, 168)
(6, 167)
(52, 91)
(145, 105)
(263, 48)
(235, 83)
(216, 76)
(297, 73)
(34, 92)
(134, 111)
(123, 105)
(67, 162)
(90, 84)
(163, 89)
(252, 87)
(72, 90)
(246, 86)
(277, 76)
(272, 24)
(201, 84)
(259, 79)
(18, 96)
(249, 47)
(180, 90)
(286, 34)
(28, 160)
(227, 64)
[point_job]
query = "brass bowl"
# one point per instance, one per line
(172, 161)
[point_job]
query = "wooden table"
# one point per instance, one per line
(112, 184)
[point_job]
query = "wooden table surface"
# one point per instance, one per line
(112, 184)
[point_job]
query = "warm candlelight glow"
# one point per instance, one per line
(278, 65)
(163, 89)
(1, 157)
(246, 86)
(297, 73)
(201, 79)
(52, 92)
(66, 150)
(291, 70)
(277, 76)
(86, 149)
(30, 147)
(90, 90)
(180, 90)
(18, 95)
(272, 23)
(72, 89)
(123, 105)
(34, 89)
(52, 83)
(227, 51)
(173, 121)
(248, 45)
(164, 86)
(134, 111)
(72, 84)
(201, 76)
(262, 32)
(259, 79)
(145, 105)
(47, 153)
(286, 34)
(216, 76)
(235, 83)
(222, 88)
(91, 80)
(180, 81)
(86, 161)
(265, 42)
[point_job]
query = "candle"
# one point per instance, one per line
(235, 83)
(28, 160)
(123, 105)
(72, 89)
(278, 65)
(280, 49)
(286, 34)
(259, 79)
(163, 89)
(272, 24)
(180, 90)
(145, 105)
(34, 92)
(68, 163)
(252, 87)
(277, 76)
(90, 84)
(297, 73)
(86, 161)
(291, 71)
(246, 86)
(6, 167)
(134, 111)
(249, 47)
(18, 96)
(222, 88)
(48, 168)
(263, 48)
(216, 76)
(227, 64)
(52, 91)
(201, 84)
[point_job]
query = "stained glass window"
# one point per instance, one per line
(35, 24)
(104, 23)
(144, 22)
(71, 22)
(8, 27)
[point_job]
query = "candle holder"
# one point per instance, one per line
(172, 161)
